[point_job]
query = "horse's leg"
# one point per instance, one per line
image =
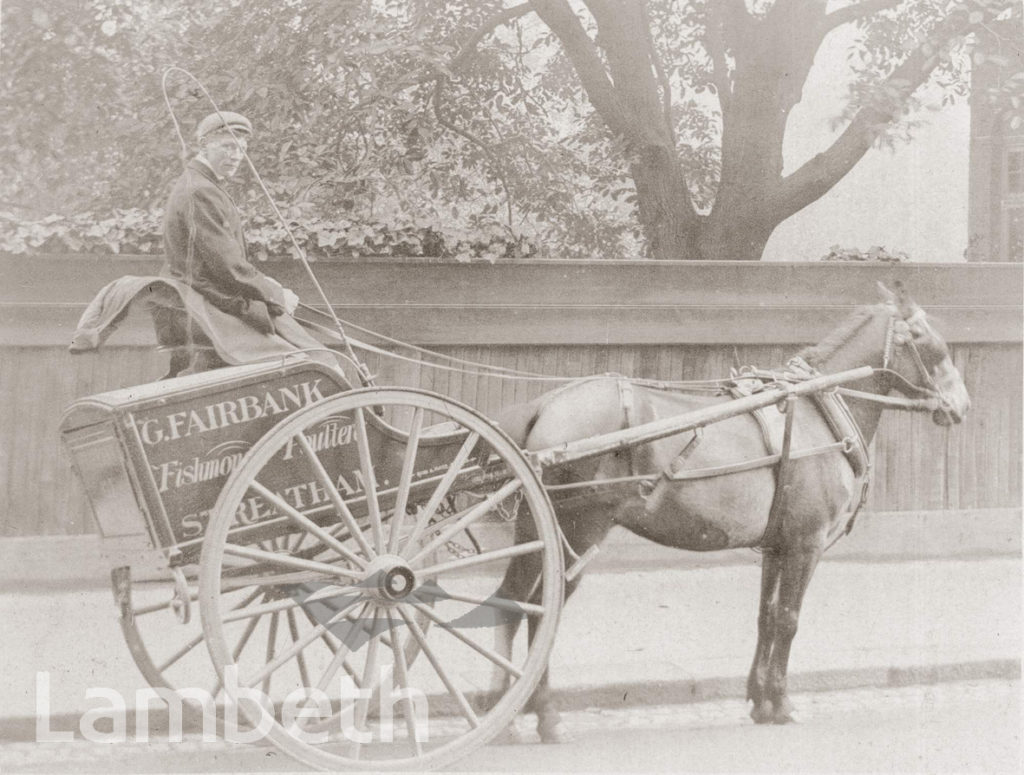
(550, 726)
(516, 585)
(770, 566)
(797, 568)
(583, 529)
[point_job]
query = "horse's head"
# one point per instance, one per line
(917, 360)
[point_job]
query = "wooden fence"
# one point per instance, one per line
(665, 320)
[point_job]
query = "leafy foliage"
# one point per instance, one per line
(137, 231)
(874, 253)
(443, 127)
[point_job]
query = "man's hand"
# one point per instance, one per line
(291, 300)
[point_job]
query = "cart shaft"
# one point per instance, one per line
(574, 451)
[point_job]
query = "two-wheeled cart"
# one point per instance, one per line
(339, 552)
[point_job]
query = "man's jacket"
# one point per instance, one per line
(205, 249)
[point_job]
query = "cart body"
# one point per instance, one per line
(152, 459)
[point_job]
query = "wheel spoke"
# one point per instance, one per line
(501, 603)
(370, 668)
(471, 515)
(402, 675)
(367, 628)
(288, 561)
(480, 559)
(453, 690)
(271, 649)
(195, 641)
(442, 490)
(340, 507)
(296, 647)
(154, 607)
(369, 480)
(340, 658)
(236, 652)
(275, 606)
(293, 630)
(326, 638)
(242, 642)
(405, 480)
(306, 523)
(230, 583)
(490, 654)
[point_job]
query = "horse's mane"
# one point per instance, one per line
(817, 354)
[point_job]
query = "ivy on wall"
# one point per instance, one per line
(137, 231)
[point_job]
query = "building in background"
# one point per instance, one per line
(996, 209)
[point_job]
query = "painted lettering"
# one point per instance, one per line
(228, 413)
(234, 411)
(250, 406)
(270, 405)
(151, 435)
(174, 422)
(193, 525)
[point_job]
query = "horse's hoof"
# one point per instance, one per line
(763, 712)
(783, 714)
(556, 733)
(510, 735)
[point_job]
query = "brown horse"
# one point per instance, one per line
(690, 506)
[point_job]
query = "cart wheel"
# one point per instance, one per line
(160, 622)
(382, 523)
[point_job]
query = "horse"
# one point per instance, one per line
(705, 498)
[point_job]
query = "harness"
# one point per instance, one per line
(831, 406)
(837, 416)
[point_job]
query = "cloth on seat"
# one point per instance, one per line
(233, 340)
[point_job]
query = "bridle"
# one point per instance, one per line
(893, 341)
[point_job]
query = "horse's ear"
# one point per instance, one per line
(886, 295)
(906, 305)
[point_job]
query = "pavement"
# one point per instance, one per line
(635, 633)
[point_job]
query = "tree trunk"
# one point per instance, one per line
(739, 236)
(663, 201)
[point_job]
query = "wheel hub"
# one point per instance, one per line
(389, 579)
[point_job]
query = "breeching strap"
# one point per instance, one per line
(782, 473)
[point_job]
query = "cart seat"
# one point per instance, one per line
(191, 350)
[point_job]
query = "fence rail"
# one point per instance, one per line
(659, 320)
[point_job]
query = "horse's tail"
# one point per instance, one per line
(518, 420)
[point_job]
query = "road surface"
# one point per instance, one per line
(950, 727)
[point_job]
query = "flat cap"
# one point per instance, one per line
(224, 119)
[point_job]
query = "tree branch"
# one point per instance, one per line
(820, 173)
(490, 24)
(714, 44)
(663, 79)
(436, 100)
(856, 11)
(582, 52)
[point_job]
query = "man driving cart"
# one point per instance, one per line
(210, 306)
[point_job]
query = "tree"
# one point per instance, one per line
(591, 128)
(633, 58)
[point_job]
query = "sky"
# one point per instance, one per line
(913, 200)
